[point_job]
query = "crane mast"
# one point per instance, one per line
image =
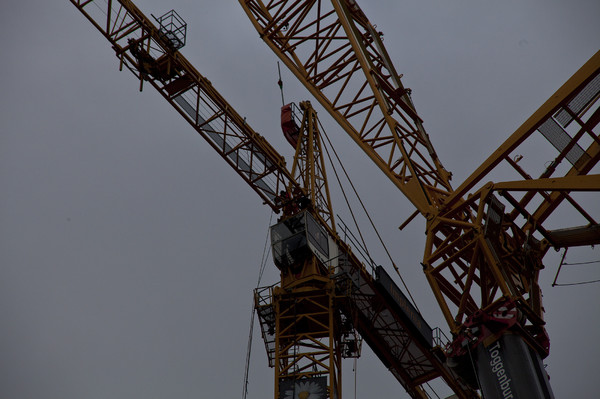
(482, 259)
(152, 54)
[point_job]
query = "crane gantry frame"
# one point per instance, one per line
(466, 238)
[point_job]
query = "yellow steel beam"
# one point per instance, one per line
(527, 128)
(567, 183)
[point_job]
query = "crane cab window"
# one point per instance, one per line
(296, 238)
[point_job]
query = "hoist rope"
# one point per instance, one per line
(248, 353)
(355, 369)
(364, 209)
(432, 390)
(265, 252)
(582, 263)
(261, 271)
(579, 283)
(563, 263)
(562, 259)
(346, 197)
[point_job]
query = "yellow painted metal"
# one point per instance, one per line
(307, 330)
(334, 50)
(143, 50)
(307, 336)
(528, 127)
(308, 167)
(307, 343)
(508, 276)
(568, 183)
(470, 262)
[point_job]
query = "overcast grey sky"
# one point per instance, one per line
(129, 250)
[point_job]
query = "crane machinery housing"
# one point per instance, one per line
(485, 241)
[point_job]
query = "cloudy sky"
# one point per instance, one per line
(129, 250)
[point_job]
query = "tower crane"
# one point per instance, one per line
(480, 261)
(483, 255)
(326, 295)
(325, 274)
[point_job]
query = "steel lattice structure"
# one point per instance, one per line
(485, 240)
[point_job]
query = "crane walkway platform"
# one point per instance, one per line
(393, 328)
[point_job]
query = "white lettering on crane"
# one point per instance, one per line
(498, 369)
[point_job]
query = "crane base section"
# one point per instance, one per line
(509, 368)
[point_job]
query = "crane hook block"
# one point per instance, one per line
(290, 128)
